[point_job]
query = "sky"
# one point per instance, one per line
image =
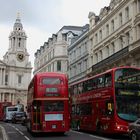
(42, 18)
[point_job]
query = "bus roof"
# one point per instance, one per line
(50, 74)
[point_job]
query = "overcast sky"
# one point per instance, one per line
(42, 18)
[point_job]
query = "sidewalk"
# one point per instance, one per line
(3, 135)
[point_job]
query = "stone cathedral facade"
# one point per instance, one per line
(15, 68)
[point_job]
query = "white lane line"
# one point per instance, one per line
(98, 137)
(21, 133)
(17, 129)
(26, 138)
(77, 132)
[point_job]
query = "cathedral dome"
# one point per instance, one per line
(18, 24)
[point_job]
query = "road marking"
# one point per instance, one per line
(98, 137)
(5, 137)
(17, 129)
(77, 132)
(93, 136)
(20, 132)
(26, 137)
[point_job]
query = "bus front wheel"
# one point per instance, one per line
(134, 136)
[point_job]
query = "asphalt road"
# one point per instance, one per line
(19, 132)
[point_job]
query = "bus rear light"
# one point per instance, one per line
(63, 124)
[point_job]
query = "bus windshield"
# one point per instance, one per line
(50, 106)
(127, 90)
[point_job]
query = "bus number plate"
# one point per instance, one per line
(53, 126)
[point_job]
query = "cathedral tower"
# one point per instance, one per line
(17, 67)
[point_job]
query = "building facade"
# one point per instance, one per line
(15, 69)
(78, 56)
(53, 55)
(114, 36)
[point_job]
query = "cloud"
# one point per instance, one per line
(76, 11)
(42, 18)
(36, 38)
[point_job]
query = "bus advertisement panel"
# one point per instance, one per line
(47, 103)
(106, 102)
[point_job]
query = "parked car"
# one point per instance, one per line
(134, 130)
(18, 117)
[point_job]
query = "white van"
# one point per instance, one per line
(10, 110)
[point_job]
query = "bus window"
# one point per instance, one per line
(100, 82)
(75, 90)
(51, 81)
(94, 83)
(80, 88)
(89, 85)
(108, 80)
(53, 106)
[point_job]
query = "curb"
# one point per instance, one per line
(4, 135)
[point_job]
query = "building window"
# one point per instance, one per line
(85, 64)
(85, 46)
(19, 79)
(91, 43)
(96, 58)
(101, 55)
(58, 65)
(112, 25)
(107, 30)
(127, 13)
(138, 32)
(107, 51)
(138, 6)
(96, 38)
(113, 47)
(79, 51)
(79, 68)
(6, 79)
(120, 19)
(100, 34)
(127, 38)
(121, 42)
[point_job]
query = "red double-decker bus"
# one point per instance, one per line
(47, 103)
(106, 102)
(3, 106)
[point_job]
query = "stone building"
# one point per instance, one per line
(113, 39)
(78, 56)
(53, 55)
(15, 68)
(114, 36)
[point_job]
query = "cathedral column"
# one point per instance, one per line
(4, 76)
(1, 76)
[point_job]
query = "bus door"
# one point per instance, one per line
(85, 111)
(36, 120)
